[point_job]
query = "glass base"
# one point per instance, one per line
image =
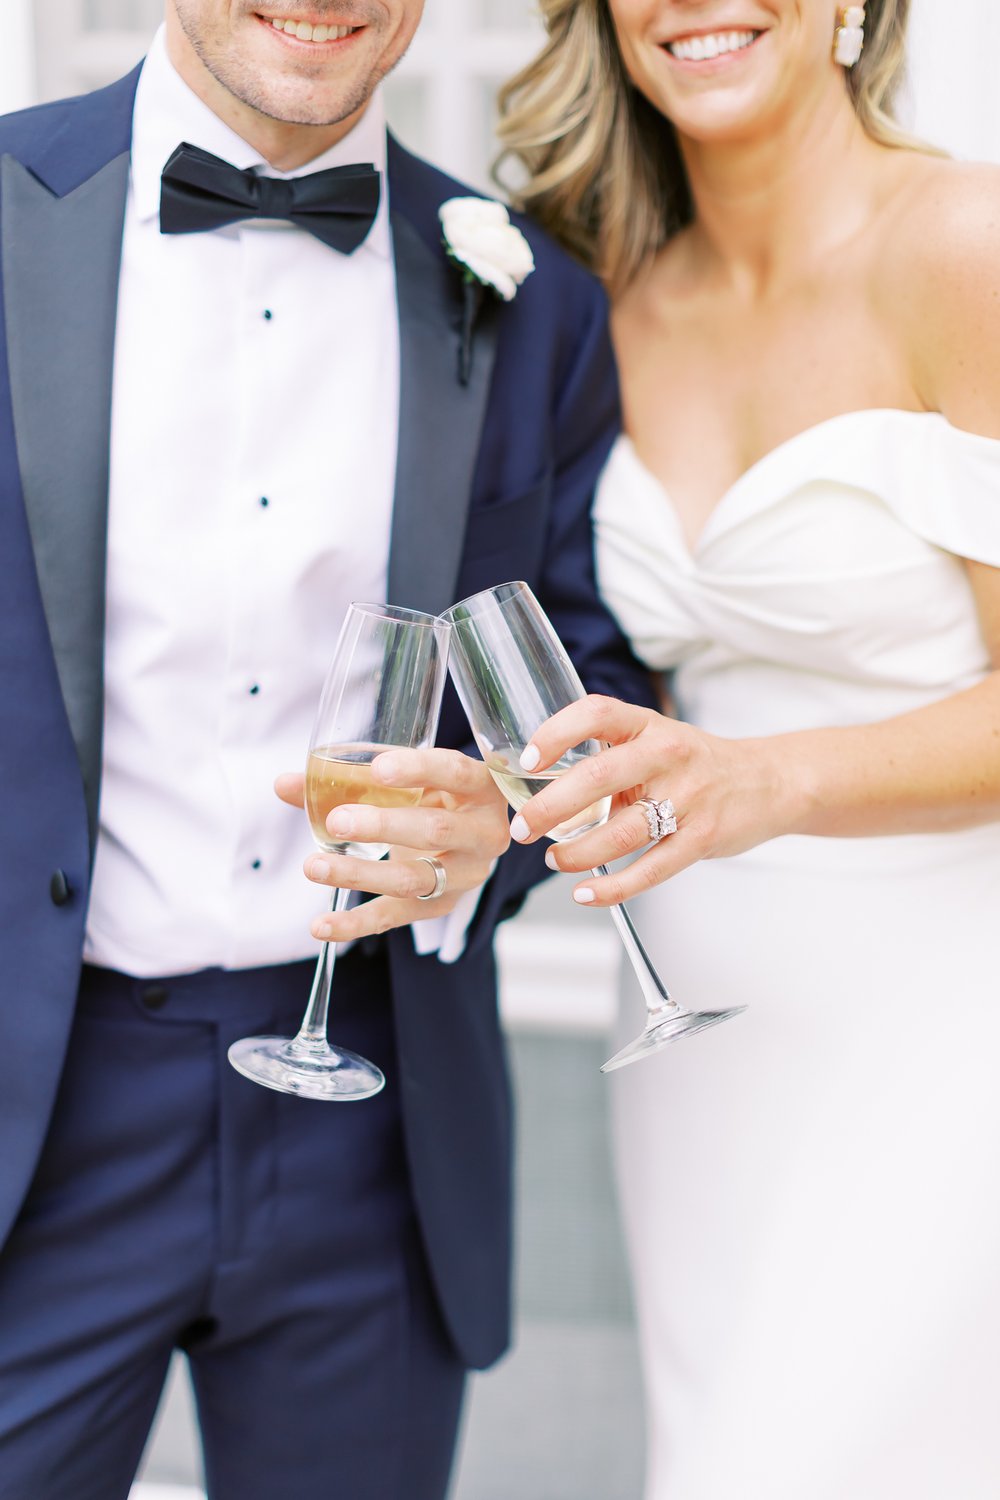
(311, 1071)
(668, 1029)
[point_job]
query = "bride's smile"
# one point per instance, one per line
(701, 49)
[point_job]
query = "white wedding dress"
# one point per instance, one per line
(811, 1191)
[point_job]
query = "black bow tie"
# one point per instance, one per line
(200, 191)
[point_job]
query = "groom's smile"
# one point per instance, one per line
(303, 30)
(291, 81)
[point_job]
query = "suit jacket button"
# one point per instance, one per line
(154, 996)
(60, 889)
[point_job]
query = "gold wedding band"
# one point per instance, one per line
(440, 877)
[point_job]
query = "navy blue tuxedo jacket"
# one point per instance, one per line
(495, 480)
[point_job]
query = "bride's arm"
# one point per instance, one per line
(936, 768)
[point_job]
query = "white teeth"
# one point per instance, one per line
(700, 48)
(307, 33)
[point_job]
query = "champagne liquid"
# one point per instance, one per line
(339, 774)
(518, 787)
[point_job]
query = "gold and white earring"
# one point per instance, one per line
(849, 37)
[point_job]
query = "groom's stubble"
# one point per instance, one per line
(231, 56)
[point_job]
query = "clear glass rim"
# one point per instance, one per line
(485, 599)
(399, 615)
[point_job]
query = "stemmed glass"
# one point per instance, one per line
(382, 692)
(512, 673)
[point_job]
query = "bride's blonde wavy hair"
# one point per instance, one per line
(604, 173)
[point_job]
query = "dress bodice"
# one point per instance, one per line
(828, 585)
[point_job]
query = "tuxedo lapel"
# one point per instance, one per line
(440, 421)
(61, 259)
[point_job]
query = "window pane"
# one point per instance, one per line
(507, 15)
(122, 15)
(487, 117)
(406, 112)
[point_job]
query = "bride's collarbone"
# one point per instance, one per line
(700, 446)
(701, 418)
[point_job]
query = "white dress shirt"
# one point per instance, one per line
(253, 452)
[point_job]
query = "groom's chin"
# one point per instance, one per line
(300, 62)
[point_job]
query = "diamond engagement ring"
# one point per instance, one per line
(661, 819)
(440, 877)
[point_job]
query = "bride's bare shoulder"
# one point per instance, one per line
(938, 280)
(947, 213)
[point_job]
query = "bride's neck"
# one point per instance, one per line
(765, 207)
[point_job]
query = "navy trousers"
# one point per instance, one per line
(178, 1205)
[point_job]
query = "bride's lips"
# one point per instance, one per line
(310, 32)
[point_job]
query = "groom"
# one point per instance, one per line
(226, 410)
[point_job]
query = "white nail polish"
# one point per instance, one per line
(583, 896)
(550, 859)
(530, 756)
(519, 829)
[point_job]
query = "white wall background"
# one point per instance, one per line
(954, 75)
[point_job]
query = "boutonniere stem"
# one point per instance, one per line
(472, 301)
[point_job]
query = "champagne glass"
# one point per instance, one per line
(382, 692)
(512, 673)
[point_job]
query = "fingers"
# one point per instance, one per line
(372, 918)
(463, 830)
(596, 776)
(397, 883)
(462, 821)
(666, 859)
(624, 834)
(443, 770)
(290, 787)
(405, 878)
(440, 770)
(591, 718)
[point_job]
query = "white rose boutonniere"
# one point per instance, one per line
(489, 251)
(485, 245)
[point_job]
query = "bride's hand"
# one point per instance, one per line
(728, 795)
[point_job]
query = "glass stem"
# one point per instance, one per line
(312, 1032)
(654, 991)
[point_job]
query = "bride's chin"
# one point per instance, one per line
(725, 114)
(719, 121)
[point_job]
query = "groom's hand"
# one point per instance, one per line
(461, 821)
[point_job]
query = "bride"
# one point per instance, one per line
(803, 526)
